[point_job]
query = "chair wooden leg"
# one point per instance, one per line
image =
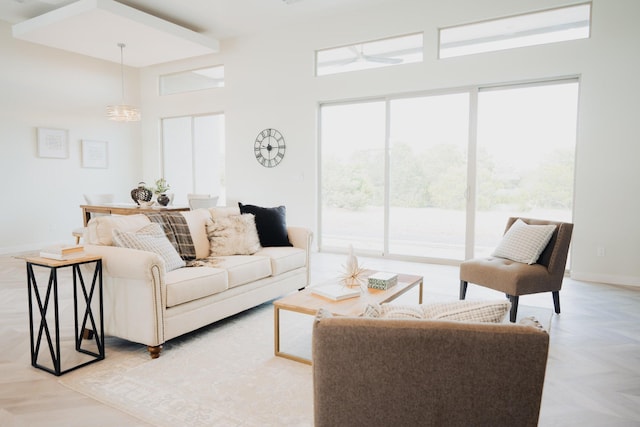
(556, 301)
(463, 289)
(514, 307)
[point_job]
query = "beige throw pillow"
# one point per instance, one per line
(464, 311)
(233, 235)
(523, 242)
(469, 311)
(150, 238)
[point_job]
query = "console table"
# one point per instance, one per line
(92, 324)
(125, 209)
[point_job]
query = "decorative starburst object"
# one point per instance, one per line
(352, 274)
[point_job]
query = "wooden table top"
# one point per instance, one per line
(50, 262)
(128, 207)
(125, 209)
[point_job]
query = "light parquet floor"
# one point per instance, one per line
(593, 372)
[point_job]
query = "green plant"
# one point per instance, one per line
(161, 186)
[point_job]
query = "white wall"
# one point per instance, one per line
(44, 87)
(270, 83)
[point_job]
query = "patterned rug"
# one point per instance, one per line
(222, 375)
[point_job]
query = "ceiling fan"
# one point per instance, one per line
(360, 56)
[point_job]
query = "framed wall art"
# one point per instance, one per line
(53, 143)
(94, 154)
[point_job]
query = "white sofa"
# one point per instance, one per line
(145, 304)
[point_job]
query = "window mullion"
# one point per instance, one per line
(471, 174)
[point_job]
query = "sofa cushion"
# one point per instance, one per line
(188, 284)
(464, 311)
(284, 258)
(100, 229)
(233, 235)
(271, 224)
(242, 269)
(523, 242)
(197, 222)
(150, 238)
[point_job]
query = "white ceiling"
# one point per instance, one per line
(157, 31)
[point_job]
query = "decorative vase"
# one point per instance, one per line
(141, 193)
(163, 199)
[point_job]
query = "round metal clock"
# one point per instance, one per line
(269, 148)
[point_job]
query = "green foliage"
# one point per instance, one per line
(346, 185)
(437, 178)
(552, 185)
(161, 186)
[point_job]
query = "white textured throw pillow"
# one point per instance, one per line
(524, 242)
(469, 311)
(464, 311)
(150, 238)
(233, 235)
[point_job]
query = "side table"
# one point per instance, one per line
(44, 298)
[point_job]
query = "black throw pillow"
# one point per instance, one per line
(271, 224)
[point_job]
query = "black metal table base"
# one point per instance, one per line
(82, 322)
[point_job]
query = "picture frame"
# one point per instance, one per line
(53, 143)
(95, 154)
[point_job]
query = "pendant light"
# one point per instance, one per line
(123, 112)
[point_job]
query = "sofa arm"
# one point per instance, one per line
(134, 293)
(300, 237)
(127, 263)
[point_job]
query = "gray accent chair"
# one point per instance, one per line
(515, 278)
(397, 372)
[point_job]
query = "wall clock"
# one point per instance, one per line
(269, 148)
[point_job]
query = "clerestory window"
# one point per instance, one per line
(549, 26)
(373, 54)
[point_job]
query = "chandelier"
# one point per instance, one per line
(123, 112)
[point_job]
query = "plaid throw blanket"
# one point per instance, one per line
(177, 231)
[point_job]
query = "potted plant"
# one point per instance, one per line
(160, 189)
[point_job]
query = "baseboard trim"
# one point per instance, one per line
(606, 278)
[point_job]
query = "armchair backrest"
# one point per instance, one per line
(554, 256)
(390, 372)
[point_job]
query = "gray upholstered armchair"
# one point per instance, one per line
(391, 372)
(518, 278)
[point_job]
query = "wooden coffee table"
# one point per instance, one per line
(308, 303)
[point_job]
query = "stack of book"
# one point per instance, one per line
(62, 252)
(336, 291)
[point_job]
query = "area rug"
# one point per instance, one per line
(222, 375)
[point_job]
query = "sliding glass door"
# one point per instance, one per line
(352, 176)
(437, 176)
(525, 156)
(428, 175)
